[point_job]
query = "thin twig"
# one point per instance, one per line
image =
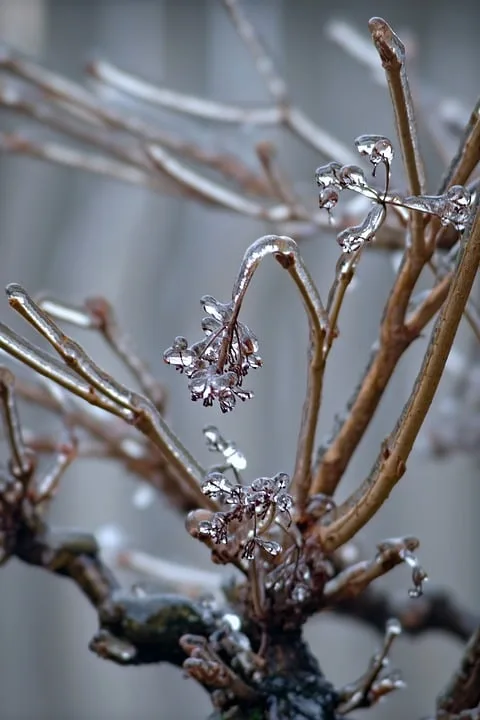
(130, 405)
(21, 462)
(286, 252)
(347, 519)
(392, 55)
(463, 690)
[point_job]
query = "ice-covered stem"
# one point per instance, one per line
(84, 378)
(21, 461)
(463, 690)
(468, 155)
(98, 314)
(285, 250)
(373, 685)
(334, 456)
(392, 54)
(434, 610)
(347, 519)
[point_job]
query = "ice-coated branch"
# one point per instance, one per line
(462, 693)
(392, 54)
(21, 461)
(285, 250)
(97, 314)
(347, 519)
(434, 610)
(84, 378)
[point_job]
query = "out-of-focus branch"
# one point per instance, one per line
(463, 691)
(434, 610)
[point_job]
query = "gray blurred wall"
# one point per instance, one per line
(153, 258)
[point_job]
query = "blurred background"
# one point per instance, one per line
(153, 257)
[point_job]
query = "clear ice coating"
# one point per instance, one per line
(453, 208)
(352, 238)
(217, 364)
(377, 148)
(230, 452)
(247, 518)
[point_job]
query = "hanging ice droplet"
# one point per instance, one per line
(179, 354)
(328, 198)
(326, 175)
(377, 148)
(270, 546)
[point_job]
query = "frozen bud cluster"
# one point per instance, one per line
(454, 207)
(217, 364)
(248, 512)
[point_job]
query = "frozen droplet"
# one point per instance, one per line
(281, 480)
(220, 311)
(326, 175)
(377, 148)
(328, 198)
(214, 440)
(319, 504)
(234, 457)
(270, 546)
(394, 627)
(215, 485)
(352, 177)
(179, 354)
(233, 621)
(352, 238)
(143, 496)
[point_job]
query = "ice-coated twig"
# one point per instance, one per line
(462, 693)
(187, 580)
(291, 117)
(434, 610)
(97, 314)
(285, 250)
(372, 686)
(357, 577)
(178, 102)
(21, 461)
(468, 154)
(212, 192)
(87, 380)
(65, 454)
(392, 54)
(347, 519)
(344, 274)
